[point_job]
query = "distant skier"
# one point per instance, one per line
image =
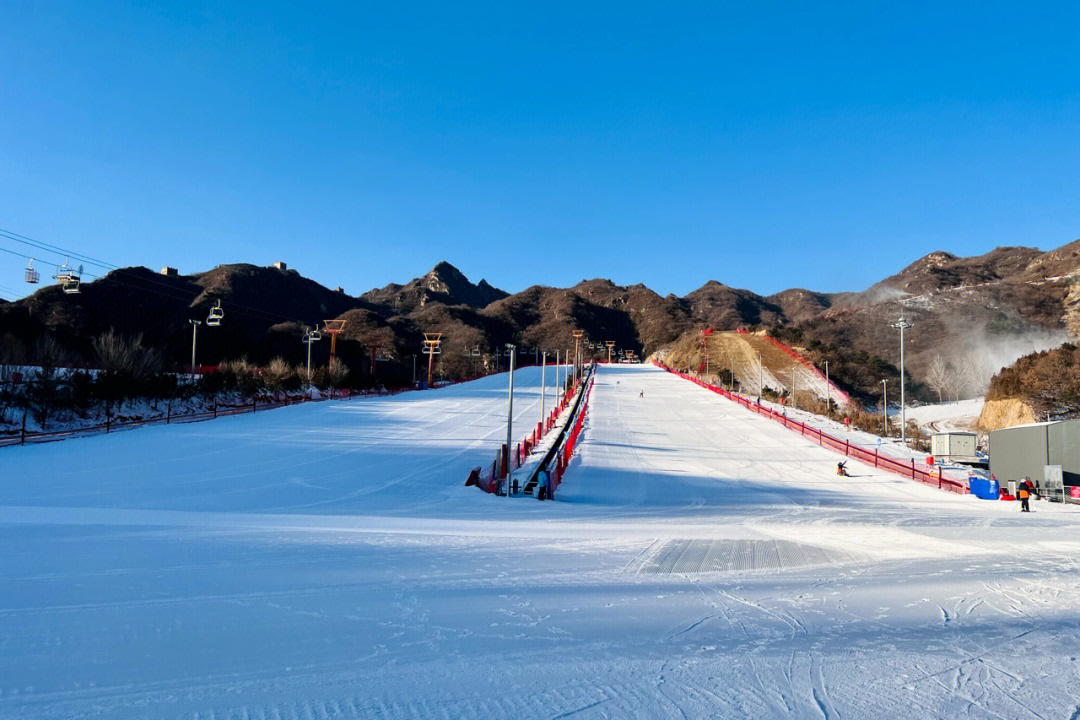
(641, 394)
(841, 469)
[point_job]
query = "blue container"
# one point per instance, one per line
(983, 488)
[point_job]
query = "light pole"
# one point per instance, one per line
(828, 392)
(902, 324)
(577, 352)
(705, 344)
(509, 416)
(760, 377)
(885, 406)
(194, 333)
(543, 384)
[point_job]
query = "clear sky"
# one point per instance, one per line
(763, 145)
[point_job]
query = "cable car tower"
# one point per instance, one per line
(333, 328)
(610, 345)
(310, 336)
(431, 349)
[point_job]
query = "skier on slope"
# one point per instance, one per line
(841, 469)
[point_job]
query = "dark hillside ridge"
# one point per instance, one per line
(955, 303)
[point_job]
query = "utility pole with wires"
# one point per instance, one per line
(432, 341)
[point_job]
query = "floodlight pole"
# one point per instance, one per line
(194, 333)
(543, 385)
(902, 324)
(760, 377)
(828, 392)
(577, 352)
(885, 406)
(509, 417)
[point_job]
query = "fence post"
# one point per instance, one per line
(168, 412)
(22, 436)
(847, 447)
(875, 457)
(912, 468)
(939, 477)
(215, 407)
(254, 401)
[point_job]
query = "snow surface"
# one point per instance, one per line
(941, 417)
(325, 561)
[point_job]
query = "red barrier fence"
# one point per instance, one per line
(567, 452)
(507, 460)
(900, 467)
(797, 357)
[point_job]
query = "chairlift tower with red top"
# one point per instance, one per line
(431, 349)
(333, 328)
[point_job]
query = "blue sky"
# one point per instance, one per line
(763, 145)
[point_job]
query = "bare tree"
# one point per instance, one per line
(276, 374)
(965, 377)
(937, 376)
(118, 355)
(336, 373)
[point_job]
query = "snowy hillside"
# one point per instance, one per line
(325, 561)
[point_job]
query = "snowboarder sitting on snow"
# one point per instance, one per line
(841, 469)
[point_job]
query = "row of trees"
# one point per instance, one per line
(127, 372)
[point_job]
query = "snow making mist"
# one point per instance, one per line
(988, 353)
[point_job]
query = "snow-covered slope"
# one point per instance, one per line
(946, 416)
(325, 562)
